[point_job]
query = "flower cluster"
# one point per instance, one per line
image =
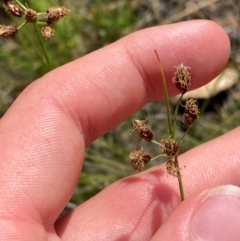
(143, 130)
(170, 147)
(172, 169)
(182, 78)
(7, 30)
(139, 159)
(47, 18)
(191, 112)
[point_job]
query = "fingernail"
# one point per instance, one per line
(218, 216)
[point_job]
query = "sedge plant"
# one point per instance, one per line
(170, 146)
(31, 16)
(43, 23)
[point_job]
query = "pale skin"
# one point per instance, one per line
(45, 132)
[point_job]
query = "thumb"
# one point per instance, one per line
(212, 215)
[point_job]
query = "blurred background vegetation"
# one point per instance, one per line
(92, 24)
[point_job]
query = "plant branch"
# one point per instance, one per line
(165, 94)
(20, 4)
(161, 155)
(189, 127)
(156, 142)
(180, 180)
(47, 60)
(175, 115)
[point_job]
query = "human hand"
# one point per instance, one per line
(46, 130)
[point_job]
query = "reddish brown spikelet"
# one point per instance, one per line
(143, 130)
(170, 146)
(182, 78)
(31, 15)
(47, 32)
(139, 159)
(56, 13)
(7, 30)
(13, 9)
(191, 112)
(172, 169)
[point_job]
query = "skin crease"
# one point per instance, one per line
(44, 134)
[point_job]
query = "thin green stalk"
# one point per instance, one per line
(180, 180)
(171, 125)
(175, 115)
(20, 4)
(161, 155)
(185, 134)
(156, 142)
(166, 94)
(46, 57)
(21, 25)
(41, 14)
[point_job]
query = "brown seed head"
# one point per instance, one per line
(143, 130)
(56, 13)
(7, 30)
(170, 146)
(13, 9)
(47, 32)
(31, 15)
(139, 159)
(191, 113)
(182, 78)
(172, 169)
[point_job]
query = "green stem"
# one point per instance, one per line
(156, 142)
(171, 126)
(165, 94)
(21, 25)
(189, 127)
(41, 14)
(175, 115)
(180, 180)
(20, 4)
(46, 57)
(161, 155)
